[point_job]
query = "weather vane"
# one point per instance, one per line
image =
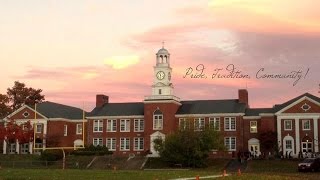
(162, 44)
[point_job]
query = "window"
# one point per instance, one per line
(97, 142)
(229, 123)
(79, 129)
(111, 125)
(288, 144)
(230, 143)
(111, 144)
(157, 120)
(198, 124)
(214, 123)
(287, 125)
(306, 124)
(184, 123)
(160, 92)
(25, 148)
(124, 144)
(65, 130)
(97, 126)
(138, 144)
(138, 125)
(39, 128)
(26, 114)
(253, 126)
(125, 125)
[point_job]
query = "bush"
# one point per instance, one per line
(93, 150)
(51, 155)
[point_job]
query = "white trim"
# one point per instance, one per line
(124, 144)
(304, 121)
(297, 135)
(65, 130)
(67, 120)
(126, 128)
(297, 102)
(20, 109)
(115, 117)
(252, 117)
(208, 115)
(256, 127)
(79, 129)
(280, 144)
(267, 114)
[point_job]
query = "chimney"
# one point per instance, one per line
(243, 96)
(101, 100)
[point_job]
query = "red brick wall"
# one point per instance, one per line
(170, 123)
(55, 134)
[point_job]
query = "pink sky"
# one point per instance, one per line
(76, 49)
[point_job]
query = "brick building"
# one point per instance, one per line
(130, 128)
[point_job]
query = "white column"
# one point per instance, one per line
(17, 147)
(315, 134)
(297, 136)
(31, 147)
(44, 140)
(4, 147)
(279, 133)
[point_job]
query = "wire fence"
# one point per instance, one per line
(42, 164)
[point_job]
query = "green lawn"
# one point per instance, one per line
(257, 169)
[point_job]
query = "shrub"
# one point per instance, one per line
(51, 155)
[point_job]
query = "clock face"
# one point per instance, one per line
(169, 76)
(160, 75)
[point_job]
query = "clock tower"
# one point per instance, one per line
(162, 87)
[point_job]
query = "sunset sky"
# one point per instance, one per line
(76, 49)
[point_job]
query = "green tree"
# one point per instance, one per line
(4, 106)
(19, 94)
(189, 147)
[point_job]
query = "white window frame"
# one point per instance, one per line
(291, 144)
(111, 143)
(25, 148)
(184, 123)
(199, 124)
(124, 125)
(65, 130)
(303, 124)
(39, 130)
(111, 125)
(214, 122)
(253, 126)
(284, 125)
(157, 121)
(228, 142)
(79, 129)
(97, 142)
(124, 144)
(138, 143)
(229, 122)
(138, 125)
(97, 125)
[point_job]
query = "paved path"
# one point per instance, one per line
(202, 177)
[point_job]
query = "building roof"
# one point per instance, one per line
(211, 106)
(119, 109)
(278, 107)
(257, 111)
(55, 110)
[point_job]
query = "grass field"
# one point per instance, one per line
(258, 169)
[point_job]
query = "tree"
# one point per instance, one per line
(12, 132)
(19, 94)
(268, 141)
(188, 147)
(4, 106)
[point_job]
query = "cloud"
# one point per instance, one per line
(121, 62)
